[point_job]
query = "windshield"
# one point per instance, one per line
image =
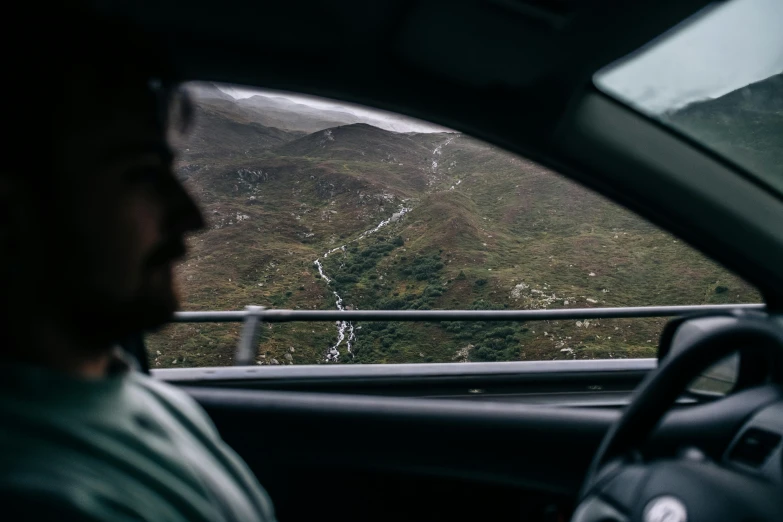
(718, 79)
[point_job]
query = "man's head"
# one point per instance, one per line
(90, 234)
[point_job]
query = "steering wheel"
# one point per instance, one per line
(621, 487)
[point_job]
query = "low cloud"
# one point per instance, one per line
(376, 117)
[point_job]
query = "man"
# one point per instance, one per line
(92, 220)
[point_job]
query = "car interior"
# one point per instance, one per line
(584, 440)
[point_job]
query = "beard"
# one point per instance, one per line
(103, 319)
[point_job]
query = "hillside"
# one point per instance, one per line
(746, 125)
(354, 216)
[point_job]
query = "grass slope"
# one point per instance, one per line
(485, 230)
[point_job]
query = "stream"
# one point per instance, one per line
(345, 329)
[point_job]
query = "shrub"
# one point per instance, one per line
(346, 278)
(501, 332)
(451, 326)
(433, 292)
(391, 304)
(483, 353)
(493, 350)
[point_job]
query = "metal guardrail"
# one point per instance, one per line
(253, 316)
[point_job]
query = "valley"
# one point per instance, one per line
(353, 216)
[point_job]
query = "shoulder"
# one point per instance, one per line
(178, 403)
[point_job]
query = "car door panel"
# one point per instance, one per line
(331, 448)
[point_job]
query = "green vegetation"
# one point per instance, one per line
(486, 230)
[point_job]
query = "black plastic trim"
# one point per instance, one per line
(422, 436)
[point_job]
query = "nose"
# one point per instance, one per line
(183, 212)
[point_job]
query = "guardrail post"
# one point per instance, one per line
(248, 339)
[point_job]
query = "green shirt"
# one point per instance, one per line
(126, 447)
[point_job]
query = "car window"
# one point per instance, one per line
(314, 204)
(717, 78)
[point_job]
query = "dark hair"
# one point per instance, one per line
(74, 48)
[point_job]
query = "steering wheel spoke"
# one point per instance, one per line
(690, 487)
(623, 489)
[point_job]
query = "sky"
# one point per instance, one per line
(376, 117)
(731, 45)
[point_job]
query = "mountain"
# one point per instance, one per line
(206, 91)
(283, 113)
(223, 131)
(364, 142)
(745, 125)
(220, 132)
(354, 216)
(269, 111)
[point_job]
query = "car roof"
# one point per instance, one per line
(516, 73)
(426, 58)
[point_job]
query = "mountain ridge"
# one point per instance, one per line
(377, 219)
(745, 125)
